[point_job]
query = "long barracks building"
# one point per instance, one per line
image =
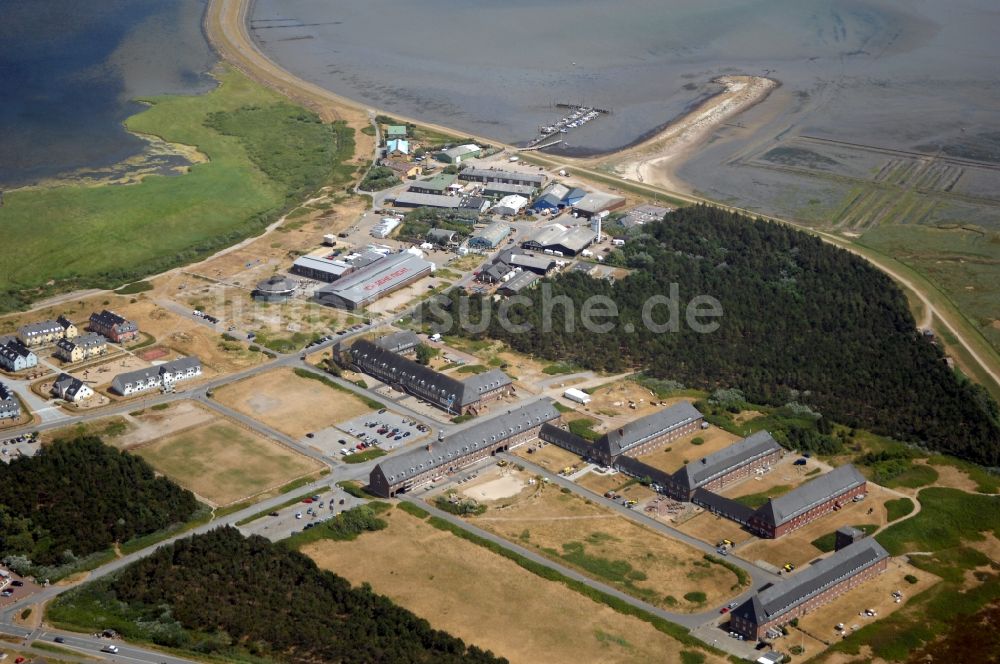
(402, 473)
(732, 463)
(808, 502)
(809, 589)
(648, 433)
(445, 392)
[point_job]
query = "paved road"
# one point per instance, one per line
(688, 620)
(758, 575)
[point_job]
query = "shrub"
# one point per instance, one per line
(909, 578)
(696, 597)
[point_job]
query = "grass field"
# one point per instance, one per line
(954, 538)
(224, 463)
(610, 548)
(261, 153)
(490, 601)
(291, 404)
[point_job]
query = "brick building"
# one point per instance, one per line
(739, 460)
(809, 589)
(114, 327)
(808, 502)
(649, 433)
(402, 473)
(445, 392)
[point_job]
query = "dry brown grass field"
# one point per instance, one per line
(490, 601)
(290, 404)
(224, 463)
(610, 548)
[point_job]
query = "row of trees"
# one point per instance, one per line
(77, 497)
(228, 592)
(802, 322)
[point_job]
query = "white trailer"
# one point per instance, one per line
(576, 395)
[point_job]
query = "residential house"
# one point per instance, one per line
(403, 169)
(71, 389)
(41, 332)
(10, 406)
(164, 376)
(113, 326)
(15, 356)
(81, 348)
(397, 147)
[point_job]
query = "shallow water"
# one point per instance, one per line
(856, 67)
(71, 69)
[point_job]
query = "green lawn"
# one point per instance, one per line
(947, 517)
(827, 542)
(898, 508)
(756, 500)
(262, 153)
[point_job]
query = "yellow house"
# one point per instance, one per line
(403, 169)
(81, 348)
(69, 329)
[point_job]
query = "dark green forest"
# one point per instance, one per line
(803, 322)
(77, 497)
(221, 592)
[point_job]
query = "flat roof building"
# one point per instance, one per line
(727, 465)
(456, 154)
(401, 343)
(410, 199)
(644, 214)
(438, 184)
(475, 204)
(490, 237)
(518, 283)
(505, 431)
(568, 241)
(809, 589)
(501, 189)
(367, 284)
(596, 202)
(510, 205)
(808, 502)
(496, 175)
(322, 268)
(440, 390)
(648, 433)
(276, 288)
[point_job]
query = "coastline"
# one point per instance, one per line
(655, 160)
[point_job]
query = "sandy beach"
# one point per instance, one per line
(655, 160)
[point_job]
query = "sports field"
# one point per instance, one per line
(611, 549)
(257, 151)
(291, 404)
(223, 463)
(490, 601)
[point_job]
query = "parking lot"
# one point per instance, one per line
(389, 430)
(14, 588)
(12, 448)
(292, 519)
